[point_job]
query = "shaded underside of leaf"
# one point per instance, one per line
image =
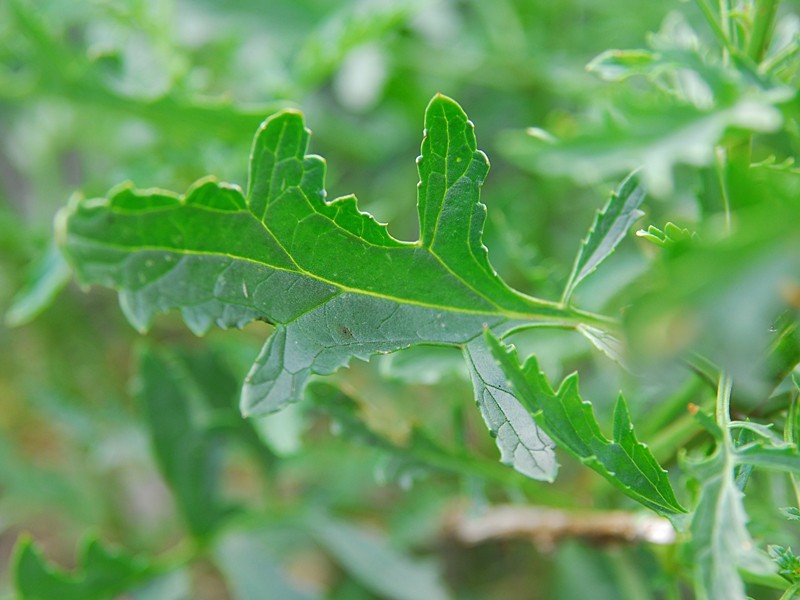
(570, 422)
(330, 278)
(522, 443)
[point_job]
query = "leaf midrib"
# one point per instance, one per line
(509, 315)
(181, 202)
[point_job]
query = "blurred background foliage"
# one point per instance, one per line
(140, 444)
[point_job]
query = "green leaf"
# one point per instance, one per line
(610, 225)
(671, 234)
(47, 277)
(782, 459)
(791, 513)
(788, 563)
(606, 342)
(720, 540)
(326, 49)
(251, 571)
(102, 573)
(375, 564)
(419, 451)
(522, 444)
(332, 280)
(652, 142)
(184, 428)
(427, 365)
(618, 65)
(570, 421)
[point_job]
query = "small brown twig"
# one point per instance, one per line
(546, 526)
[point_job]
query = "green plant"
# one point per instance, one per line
(700, 329)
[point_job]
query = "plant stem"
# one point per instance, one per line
(712, 21)
(719, 164)
(763, 27)
(790, 434)
(723, 411)
(725, 25)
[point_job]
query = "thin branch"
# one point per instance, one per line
(546, 526)
(763, 27)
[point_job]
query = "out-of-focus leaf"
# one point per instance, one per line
(102, 573)
(792, 513)
(251, 571)
(788, 563)
(175, 585)
(47, 277)
(601, 576)
(653, 142)
(609, 227)
(356, 25)
(727, 298)
(372, 561)
(419, 451)
(786, 458)
(617, 65)
(608, 343)
(697, 99)
(331, 278)
(570, 421)
(426, 365)
(185, 440)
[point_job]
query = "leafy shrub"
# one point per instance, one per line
(697, 323)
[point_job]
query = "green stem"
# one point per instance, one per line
(725, 25)
(719, 164)
(716, 29)
(763, 27)
(665, 444)
(723, 412)
(790, 434)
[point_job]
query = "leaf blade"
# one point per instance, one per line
(570, 422)
(330, 278)
(609, 227)
(102, 572)
(521, 441)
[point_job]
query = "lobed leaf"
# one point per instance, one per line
(102, 573)
(330, 278)
(721, 543)
(570, 422)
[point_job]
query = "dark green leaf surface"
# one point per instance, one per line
(102, 574)
(570, 421)
(185, 433)
(332, 280)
